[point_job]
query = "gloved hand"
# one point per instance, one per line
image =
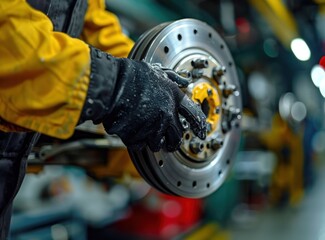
(140, 102)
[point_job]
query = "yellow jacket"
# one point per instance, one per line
(44, 75)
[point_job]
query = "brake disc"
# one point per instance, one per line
(193, 48)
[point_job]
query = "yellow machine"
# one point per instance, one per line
(287, 179)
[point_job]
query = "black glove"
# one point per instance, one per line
(140, 102)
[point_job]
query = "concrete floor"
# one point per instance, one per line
(306, 222)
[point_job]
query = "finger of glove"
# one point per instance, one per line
(134, 144)
(173, 137)
(194, 115)
(181, 81)
(156, 142)
(136, 147)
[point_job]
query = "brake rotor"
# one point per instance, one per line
(192, 48)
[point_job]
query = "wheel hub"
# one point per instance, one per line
(199, 167)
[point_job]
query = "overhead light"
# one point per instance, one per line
(285, 105)
(258, 86)
(317, 75)
(298, 111)
(300, 49)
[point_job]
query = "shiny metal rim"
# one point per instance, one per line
(177, 45)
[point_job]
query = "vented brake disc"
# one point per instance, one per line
(192, 48)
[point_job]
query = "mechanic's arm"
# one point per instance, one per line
(44, 75)
(49, 82)
(103, 30)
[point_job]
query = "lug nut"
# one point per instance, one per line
(228, 90)
(184, 73)
(197, 73)
(217, 73)
(200, 63)
(234, 113)
(230, 115)
(237, 112)
(225, 126)
(196, 146)
(216, 143)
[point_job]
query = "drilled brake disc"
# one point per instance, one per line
(199, 167)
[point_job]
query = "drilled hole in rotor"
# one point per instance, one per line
(208, 185)
(194, 184)
(208, 146)
(210, 35)
(179, 37)
(221, 46)
(195, 31)
(237, 125)
(220, 172)
(161, 163)
(230, 64)
(179, 183)
(166, 49)
(228, 161)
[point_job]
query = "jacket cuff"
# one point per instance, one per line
(104, 70)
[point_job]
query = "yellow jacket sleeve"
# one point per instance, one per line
(44, 75)
(103, 30)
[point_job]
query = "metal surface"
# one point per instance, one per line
(199, 167)
(81, 150)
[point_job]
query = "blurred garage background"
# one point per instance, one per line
(276, 186)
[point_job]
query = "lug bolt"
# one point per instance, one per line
(228, 90)
(217, 110)
(230, 115)
(237, 113)
(196, 146)
(200, 63)
(225, 126)
(197, 73)
(184, 73)
(234, 113)
(217, 73)
(216, 143)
